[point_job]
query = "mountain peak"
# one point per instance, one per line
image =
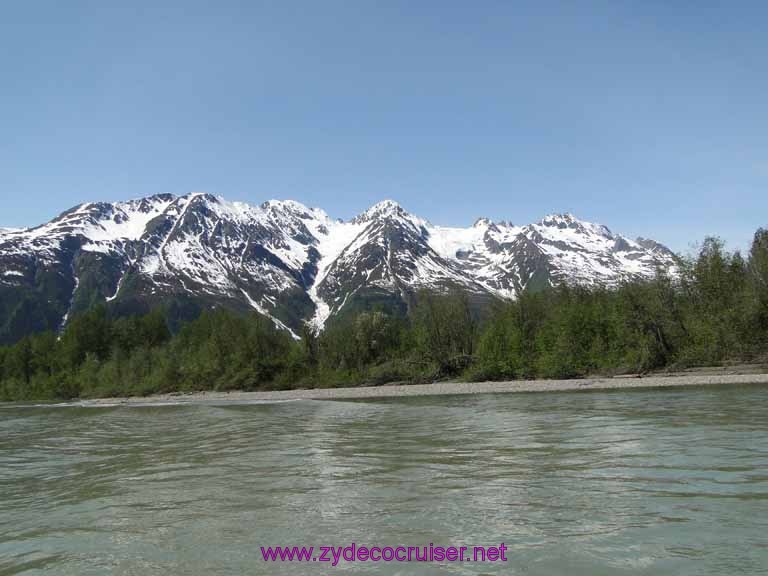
(569, 221)
(559, 220)
(291, 207)
(653, 246)
(383, 209)
(289, 204)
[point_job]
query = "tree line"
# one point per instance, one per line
(715, 310)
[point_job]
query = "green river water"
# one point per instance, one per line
(590, 483)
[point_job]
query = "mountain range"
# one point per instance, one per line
(293, 264)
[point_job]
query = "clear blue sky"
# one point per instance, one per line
(648, 116)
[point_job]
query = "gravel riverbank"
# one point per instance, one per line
(447, 388)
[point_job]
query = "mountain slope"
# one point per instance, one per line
(291, 263)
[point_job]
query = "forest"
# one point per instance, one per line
(714, 311)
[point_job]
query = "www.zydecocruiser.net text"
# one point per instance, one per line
(357, 553)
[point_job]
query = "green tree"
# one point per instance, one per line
(445, 331)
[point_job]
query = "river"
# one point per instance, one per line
(585, 483)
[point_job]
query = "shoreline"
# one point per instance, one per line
(442, 389)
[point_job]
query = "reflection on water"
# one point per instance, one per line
(642, 482)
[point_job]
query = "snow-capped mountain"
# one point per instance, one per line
(293, 264)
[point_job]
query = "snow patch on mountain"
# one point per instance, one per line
(125, 220)
(333, 240)
(261, 310)
(449, 242)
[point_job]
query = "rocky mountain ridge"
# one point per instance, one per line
(294, 264)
